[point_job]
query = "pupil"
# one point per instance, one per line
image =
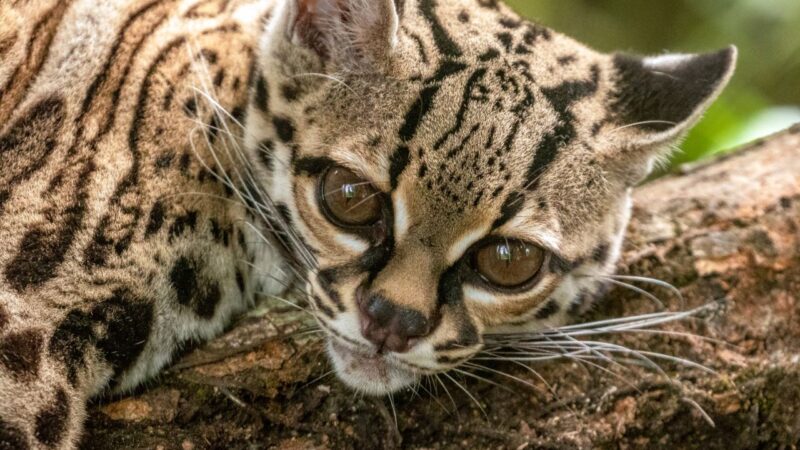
(504, 252)
(349, 191)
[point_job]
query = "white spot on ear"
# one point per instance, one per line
(463, 244)
(474, 294)
(666, 61)
(400, 215)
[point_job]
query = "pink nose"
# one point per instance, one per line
(389, 326)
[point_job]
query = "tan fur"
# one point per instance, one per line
(149, 147)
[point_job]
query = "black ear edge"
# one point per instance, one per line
(667, 94)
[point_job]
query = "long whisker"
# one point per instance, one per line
(469, 394)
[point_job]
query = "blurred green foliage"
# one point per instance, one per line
(764, 95)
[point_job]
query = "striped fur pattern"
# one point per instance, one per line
(149, 149)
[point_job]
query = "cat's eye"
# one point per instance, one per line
(508, 263)
(348, 200)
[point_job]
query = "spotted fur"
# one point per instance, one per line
(148, 149)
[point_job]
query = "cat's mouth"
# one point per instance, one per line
(368, 371)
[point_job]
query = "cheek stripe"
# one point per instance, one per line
(325, 280)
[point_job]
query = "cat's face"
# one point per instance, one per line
(453, 170)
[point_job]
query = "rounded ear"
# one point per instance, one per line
(656, 100)
(350, 34)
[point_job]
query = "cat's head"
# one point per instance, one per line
(454, 170)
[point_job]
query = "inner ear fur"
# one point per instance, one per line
(656, 100)
(351, 34)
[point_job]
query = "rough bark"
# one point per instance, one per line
(727, 231)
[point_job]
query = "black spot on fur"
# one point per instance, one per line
(239, 114)
(21, 353)
(219, 77)
(165, 160)
(4, 319)
(220, 234)
(12, 438)
(449, 290)
(290, 91)
(423, 169)
(489, 55)
(29, 143)
(566, 60)
(506, 39)
(156, 219)
(284, 128)
(312, 165)
(190, 107)
(52, 421)
(240, 280)
(119, 327)
(182, 223)
(534, 32)
(43, 249)
(511, 207)
(397, 165)
(202, 298)
(577, 304)
(463, 17)
(265, 153)
(508, 22)
(548, 310)
(183, 164)
(600, 253)
(70, 340)
(262, 94)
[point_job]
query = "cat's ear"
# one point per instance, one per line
(350, 34)
(657, 99)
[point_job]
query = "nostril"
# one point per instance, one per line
(380, 310)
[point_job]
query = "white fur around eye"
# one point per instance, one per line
(352, 243)
(458, 249)
(400, 216)
(474, 294)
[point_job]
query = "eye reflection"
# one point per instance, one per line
(348, 200)
(508, 264)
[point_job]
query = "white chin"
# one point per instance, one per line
(369, 373)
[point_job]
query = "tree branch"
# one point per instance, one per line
(726, 231)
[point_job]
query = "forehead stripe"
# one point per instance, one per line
(511, 207)
(312, 165)
(397, 164)
(443, 41)
(424, 102)
(561, 98)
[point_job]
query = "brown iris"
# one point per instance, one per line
(349, 200)
(508, 263)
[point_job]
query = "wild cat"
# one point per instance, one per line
(431, 171)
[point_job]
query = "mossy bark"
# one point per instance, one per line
(727, 231)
